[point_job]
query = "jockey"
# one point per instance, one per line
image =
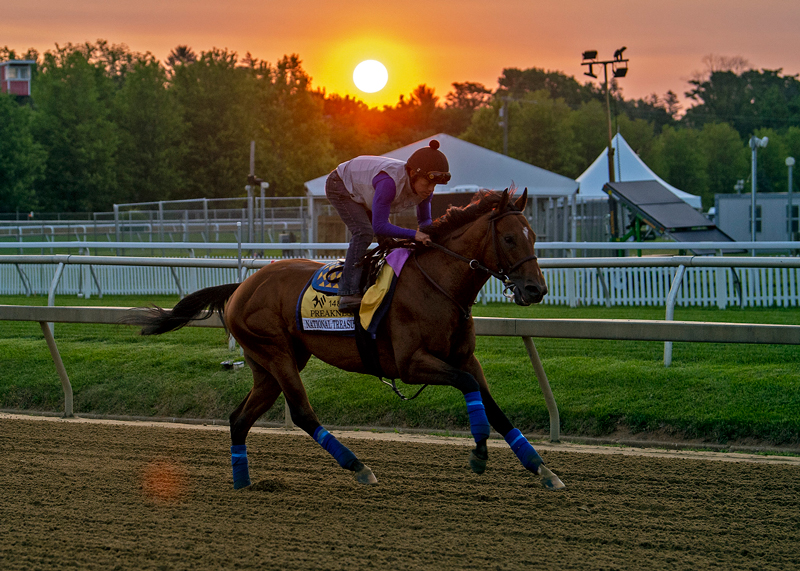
(366, 189)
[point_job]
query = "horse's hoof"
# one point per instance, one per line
(476, 463)
(550, 480)
(365, 476)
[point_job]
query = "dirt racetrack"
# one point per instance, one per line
(101, 495)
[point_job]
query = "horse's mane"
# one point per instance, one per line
(457, 216)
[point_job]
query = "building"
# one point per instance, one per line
(15, 77)
(732, 215)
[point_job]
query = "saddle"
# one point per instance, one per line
(318, 305)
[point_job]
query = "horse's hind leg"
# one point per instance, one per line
(285, 369)
(303, 416)
(258, 401)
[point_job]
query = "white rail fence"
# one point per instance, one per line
(759, 287)
(707, 280)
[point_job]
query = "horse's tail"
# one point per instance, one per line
(199, 305)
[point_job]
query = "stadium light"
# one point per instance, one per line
(619, 68)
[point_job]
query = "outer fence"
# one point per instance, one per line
(707, 281)
(749, 287)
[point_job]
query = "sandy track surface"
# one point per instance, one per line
(130, 495)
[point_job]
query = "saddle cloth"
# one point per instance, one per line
(318, 305)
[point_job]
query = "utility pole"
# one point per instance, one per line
(755, 143)
(504, 123)
(789, 206)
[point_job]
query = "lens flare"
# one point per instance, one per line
(164, 481)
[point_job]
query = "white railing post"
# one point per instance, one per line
(721, 286)
(51, 293)
(62, 372)
(544, 385)
(671, 299)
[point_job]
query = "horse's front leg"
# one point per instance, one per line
(424, 368)
(513, 436)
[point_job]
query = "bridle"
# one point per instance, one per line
(474, 264)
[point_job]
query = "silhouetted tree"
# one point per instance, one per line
(181, 55)
(151, 134)
(22, 160)
(748, 101)
(72, 122)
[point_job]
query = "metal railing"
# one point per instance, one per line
(572, 281)
(526, 329)
(242, 265)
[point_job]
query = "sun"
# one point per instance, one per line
(370, 76)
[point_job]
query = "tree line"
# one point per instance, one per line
(107, 125)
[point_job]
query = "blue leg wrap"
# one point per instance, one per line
(478, 422)
(340, 453)
(524, 451)
(241, 474)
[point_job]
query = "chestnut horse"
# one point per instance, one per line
(426, 337)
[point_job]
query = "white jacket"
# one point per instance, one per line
(357, 175)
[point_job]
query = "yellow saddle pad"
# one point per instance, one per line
(319, 312)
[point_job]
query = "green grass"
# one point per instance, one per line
(720, 392)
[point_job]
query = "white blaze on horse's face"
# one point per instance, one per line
(525, 232)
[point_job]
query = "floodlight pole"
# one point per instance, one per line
(590, 60)
(611, 177)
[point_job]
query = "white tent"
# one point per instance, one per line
(475, 167)
(628, 167)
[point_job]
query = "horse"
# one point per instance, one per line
(427, 336)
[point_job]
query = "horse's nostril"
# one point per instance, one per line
(536, 292)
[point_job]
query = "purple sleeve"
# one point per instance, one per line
(385, 191)
(424, 212)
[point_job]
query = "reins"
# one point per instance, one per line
(466, 312)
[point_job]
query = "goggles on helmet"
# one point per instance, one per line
(438, 177)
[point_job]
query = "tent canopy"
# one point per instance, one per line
(474, 167)
(627, 167)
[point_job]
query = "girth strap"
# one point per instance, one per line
(370, 355)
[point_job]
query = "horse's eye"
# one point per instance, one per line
(509, 240)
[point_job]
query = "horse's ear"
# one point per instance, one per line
(503, 202)
(522, 201)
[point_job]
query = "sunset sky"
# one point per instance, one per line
(435, 42)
